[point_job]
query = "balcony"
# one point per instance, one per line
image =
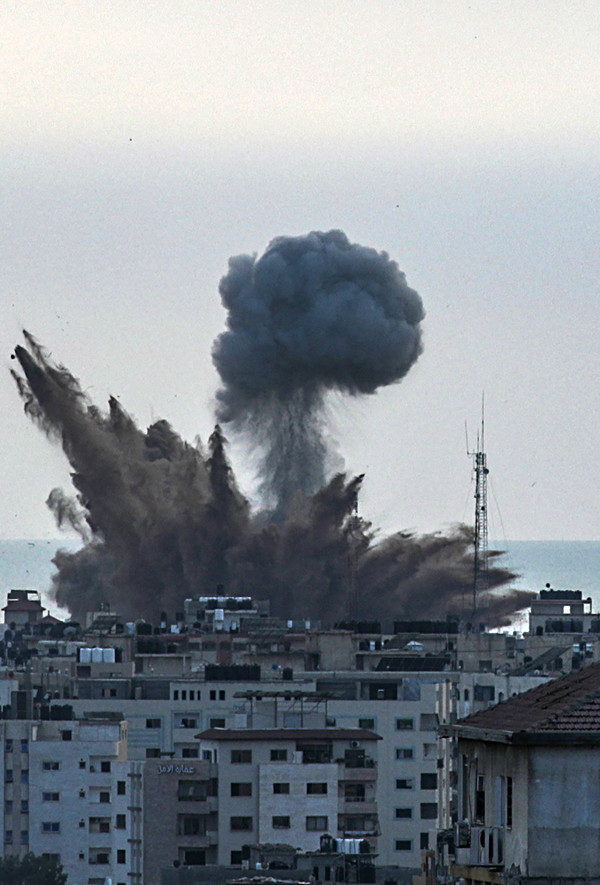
(486, 848)
(358, 805)
(352, 773)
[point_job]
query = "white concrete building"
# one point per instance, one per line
(292, 785)
(68, 791)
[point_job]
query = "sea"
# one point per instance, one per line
(564, 565)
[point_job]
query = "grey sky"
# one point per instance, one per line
(144, 143)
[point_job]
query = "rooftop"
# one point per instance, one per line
(564, 708)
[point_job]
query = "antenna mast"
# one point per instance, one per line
(480, 542)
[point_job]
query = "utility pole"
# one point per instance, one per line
(480, 541)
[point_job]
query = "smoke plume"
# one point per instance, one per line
(162, 520)
(314, 313)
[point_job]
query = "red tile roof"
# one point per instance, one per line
(566, 705)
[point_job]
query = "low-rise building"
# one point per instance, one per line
(529, 788)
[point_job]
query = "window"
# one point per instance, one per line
(55, 858)
(8, 806)
(278, 755)
(244, 789)
(25, 776)
(191, 791)
(429, 781)
(404, 783)
(404, 752)
(189, 753)
(104, 797)
(403, 813)
(429, 722)
(281, 788)
(152, 753)
(217, 722)
(50, 766)
(67, 735)
(509, 801)
(428, 810)
(213, 694)
(24, 746)
(222, 695)
(152, 723)
(406, 724)
(105, 766)
(121, 855)
(176, 694)
(51, 826)
(240, 823)
(8, 837)
(424, 841)
(184, 694)
(403, 844)
(99, 856)
(50, 797)
(24, 806)
(280, 822)
(480, 799)
(8, 776)
(316, 789)
(82, 763)
(484, 693)
(191, 825)
(241, 756)
(186, 722)
(8, 745)
(317, 822)
(121, 788)
(429, 751)
(194, 857)
(235, 858)
(366, 723)
(24, 837)
(120, 822)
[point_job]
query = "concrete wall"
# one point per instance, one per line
(164, 841)
(564, 821)
(298, 804)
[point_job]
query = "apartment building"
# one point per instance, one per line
(292, 785)
(69, 792)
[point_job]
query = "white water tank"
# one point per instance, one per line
(85, 655)
(97, 655)
(108, 655)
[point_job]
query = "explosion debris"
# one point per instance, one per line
(162, 520)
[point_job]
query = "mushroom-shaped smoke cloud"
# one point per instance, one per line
(314, 313)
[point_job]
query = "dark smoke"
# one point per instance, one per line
(312, 314)
(162, 520)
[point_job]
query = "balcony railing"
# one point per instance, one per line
(487, 846)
